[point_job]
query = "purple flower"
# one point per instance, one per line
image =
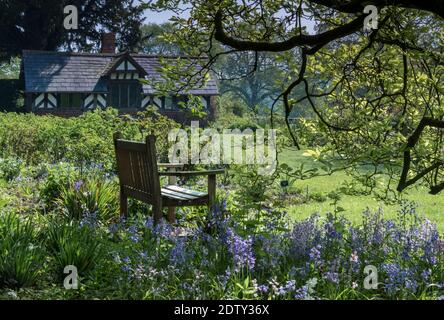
(126, 264)
(287, 288)
(78, 184)
(262, 288)
(303, 237)
(89, 219)
(411, 285)
(179, 255)
(113, 228)
(133, 234)
(315, 256)
(241, 250)
(302, 293)
(425, 275)
(332, 277)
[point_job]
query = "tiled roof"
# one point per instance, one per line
(47, 71)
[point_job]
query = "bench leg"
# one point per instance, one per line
(157, 213)
(171, 214)
(123, 204)
(172, 210)
(211, 190)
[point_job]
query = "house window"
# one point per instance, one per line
(125, 95)
(169, 103)
(175, 102)
(205, 102)
(181, 101)
(70, 100)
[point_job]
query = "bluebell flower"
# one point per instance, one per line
(126, 264)
(133, 234)
(241, 250)
(78, 184)
(332, 277)
(262, 289)
(302, 293)
(113, 228)
(315, 256)
(179, 254)
(89, 219)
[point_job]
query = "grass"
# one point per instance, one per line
(429, 205)
(3, 199)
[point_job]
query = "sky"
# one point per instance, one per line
(157, 17)
(162, 17)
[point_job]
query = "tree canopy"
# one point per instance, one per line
(376, 94)
(38, 24)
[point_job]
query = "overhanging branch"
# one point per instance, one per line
(295, 41)
(411, 142)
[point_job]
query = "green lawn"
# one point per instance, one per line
(429, 205)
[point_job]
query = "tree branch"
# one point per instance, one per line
(411, 142)
(295, 41)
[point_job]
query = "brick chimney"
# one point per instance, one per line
(108, 43)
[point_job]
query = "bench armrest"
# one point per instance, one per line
(192, 173)
(170, 165)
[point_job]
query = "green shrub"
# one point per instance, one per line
(253, 186)
(10, 168)
(84, 141)
(318, 197)
(73, 244)
(94, 195)
(243, 124)
(20, 252)
(57, 178)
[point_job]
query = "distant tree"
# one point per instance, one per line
(38, 25)
(10, 70)
(254, 88)
(153, 41)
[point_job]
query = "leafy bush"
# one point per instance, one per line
(20, 252)
(56, 179)
(75, 244)
(243, 124)
(84, 141)
(10, 168)
(251, 185)
(94, 195)
(317, 196)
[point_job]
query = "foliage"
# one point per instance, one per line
(255, 89)
(153, 41)
(373, 96)
(10, 70)
(73, 243)
(55, 179)
(86, 141)
(245, 248)
(92, 196)
(252, 187)
(10, 168)
(240, 250)
(39, 25)
(20, 251)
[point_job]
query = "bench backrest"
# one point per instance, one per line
(137, 168)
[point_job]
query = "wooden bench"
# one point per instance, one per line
(139, 178)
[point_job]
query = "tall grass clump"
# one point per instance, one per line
(73, 243)
(20, 251)
(95, 195)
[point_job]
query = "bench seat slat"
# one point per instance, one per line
(181, 193)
